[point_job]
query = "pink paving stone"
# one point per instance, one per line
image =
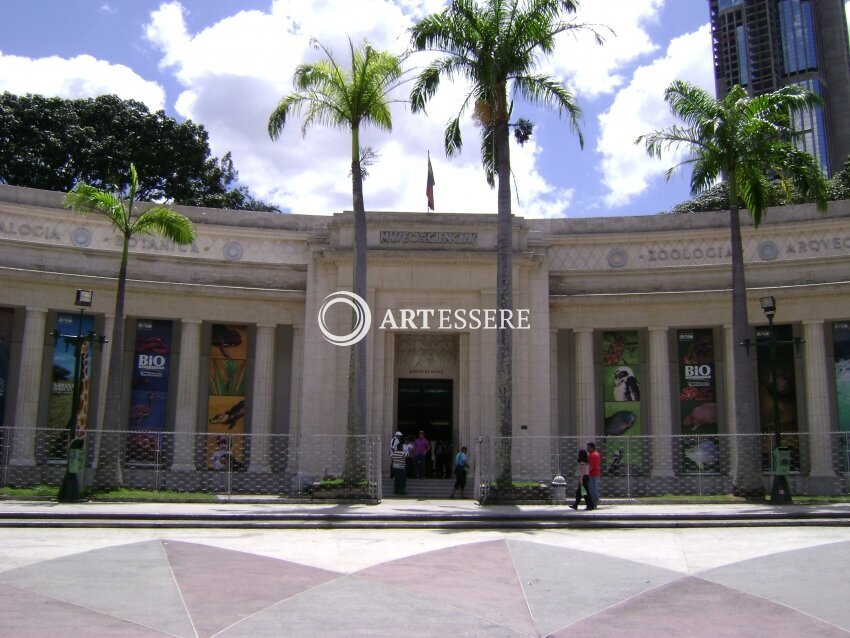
(696, 608)
(479, 578)
(26, 614)
(221, 587)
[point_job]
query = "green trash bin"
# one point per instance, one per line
(76, 460)
(782, 461)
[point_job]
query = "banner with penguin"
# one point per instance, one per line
(621, 373)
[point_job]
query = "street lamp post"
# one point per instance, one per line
(780, 491)
(69, 490)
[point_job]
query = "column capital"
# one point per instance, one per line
(35, 309)
(267, 326)
(658, 328)
(583, 330)
(194, 322)
(813, 322)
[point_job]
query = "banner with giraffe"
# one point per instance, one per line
(226, 406)
(61, 400)
(149, 394)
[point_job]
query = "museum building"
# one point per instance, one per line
(622, 330)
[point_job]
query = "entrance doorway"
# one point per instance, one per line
(427, 405)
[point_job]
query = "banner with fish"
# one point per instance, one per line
(148, 411)
(786, 393)
(841, 350)
(61, 399)
(698, 401)
(226, 404)
(621, 374)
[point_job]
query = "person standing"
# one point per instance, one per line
(397, 438)
(583, 489)
(421, 446)
(399, 456)
(408, 449)
(461, 465)
(594, 471)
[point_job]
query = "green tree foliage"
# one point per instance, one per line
(717, 197)
(54, 143)
(160, 220)
(329, 94)
(745, 141)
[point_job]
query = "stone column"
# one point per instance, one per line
(106, 348)
(262, 400)
(585, 386)
(29, 387)
(817, 399)
(729, 384)
(660, 414)
(188, 387)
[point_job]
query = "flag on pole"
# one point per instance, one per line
(429, 188)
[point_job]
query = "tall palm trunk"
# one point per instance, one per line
(354, 463)
(747, 472)
(504, 292)
(110, 471)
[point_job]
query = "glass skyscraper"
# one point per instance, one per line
(764, 45)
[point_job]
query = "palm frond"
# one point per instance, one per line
(452, 138)
(85, 199)
(166, 222)
(544, 90)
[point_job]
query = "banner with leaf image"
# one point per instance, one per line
(621, 373)
(226, 407)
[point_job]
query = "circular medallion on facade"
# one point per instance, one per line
(767, 251)
(233, 250)
(617, 258)
(81, 237)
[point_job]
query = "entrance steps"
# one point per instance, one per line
(426, 489)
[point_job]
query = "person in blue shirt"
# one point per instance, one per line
(461, 465)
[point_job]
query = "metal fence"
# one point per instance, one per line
(314, 465)
(640, 466)
(344, 467)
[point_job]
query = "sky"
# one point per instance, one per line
(225, 64)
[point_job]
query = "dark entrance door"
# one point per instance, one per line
(426, 404)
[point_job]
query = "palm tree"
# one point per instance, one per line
(744, 141)
(161, 220)
(495, 46)
(346, 98)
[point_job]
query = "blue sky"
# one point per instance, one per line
(226, 63)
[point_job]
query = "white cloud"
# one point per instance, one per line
(595, 70)
(639, 108)
(235, 71)
(79, 77)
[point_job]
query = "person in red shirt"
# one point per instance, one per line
(594, 470)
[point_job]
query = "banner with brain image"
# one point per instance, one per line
(621, 373)
(698, 401)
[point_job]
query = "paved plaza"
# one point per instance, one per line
(540, 581)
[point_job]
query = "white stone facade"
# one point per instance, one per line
(577, 279)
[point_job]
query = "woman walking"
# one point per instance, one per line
(583, 488)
